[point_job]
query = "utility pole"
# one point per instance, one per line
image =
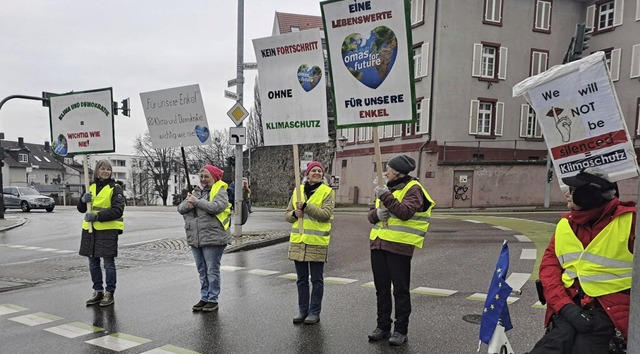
(238, 149)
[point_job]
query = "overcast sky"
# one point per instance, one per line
(132, 46)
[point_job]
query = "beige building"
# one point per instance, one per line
(476, 145)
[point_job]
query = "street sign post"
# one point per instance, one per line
(237, 136)
(231, 95)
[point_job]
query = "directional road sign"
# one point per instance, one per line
(237, 136)
(237, 113)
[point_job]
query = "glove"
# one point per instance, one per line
(379, 190)
(577, 317)
(90, 217)
(383, 214)
(86, 198)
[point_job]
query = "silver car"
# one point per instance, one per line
(26, 198)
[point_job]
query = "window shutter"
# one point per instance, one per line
(591, 14)
(424, 67)
(502, 74)
(637, 10)
(635, 61)
(524, 119)
(614, 68)
(419, 11)
(499, 118)
(618, 9)
(477, 60)
(473, 117)
(424, 116)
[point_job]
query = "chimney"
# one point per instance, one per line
(47, 148)
(21, 141)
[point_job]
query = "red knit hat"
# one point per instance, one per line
(311, 165)
(215, 172)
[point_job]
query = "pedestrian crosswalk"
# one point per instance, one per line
(71, 330)
(36, 248)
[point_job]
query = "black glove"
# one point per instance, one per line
(86, 198)
(578, 318)
(90, 217)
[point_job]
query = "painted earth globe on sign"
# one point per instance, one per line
(371, 59)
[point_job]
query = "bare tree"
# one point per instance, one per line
(158, 162)
(214, 154)
(254, 127)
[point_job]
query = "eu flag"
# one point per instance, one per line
(495, 306)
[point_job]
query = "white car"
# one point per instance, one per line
(26, 198)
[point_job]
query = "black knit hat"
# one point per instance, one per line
(592, 188)
(402, 163)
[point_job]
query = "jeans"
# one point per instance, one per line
(314, 305)
(96, 273)
(208, 263)
(390, 268)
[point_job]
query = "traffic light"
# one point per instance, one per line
(115, 108)
(583, 34)
(125, 107)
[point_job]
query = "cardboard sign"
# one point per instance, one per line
(292, 88)
(578, 111)
(371, 58)
(82, 122)
(176, 117)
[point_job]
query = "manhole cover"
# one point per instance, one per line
(472, 318)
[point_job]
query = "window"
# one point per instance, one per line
(349, 134)
(364, 134)
(397, 130)
(493, 12)
(409, 128)
(46, 178)
(529, 127)
(23, 158)
(420, 60)
(605, 15)
(295, 29)
(635, 61)
(486, 117)
(638, 117)
(542, 21)
(37, 158)
(422, 109)
(46, 158)
(539, 61)
(489, 61)
(121, 163)
(385, 131)
(417, 11)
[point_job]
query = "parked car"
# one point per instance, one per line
(26, 198)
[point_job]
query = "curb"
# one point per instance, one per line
(15, 222)
(256, 244)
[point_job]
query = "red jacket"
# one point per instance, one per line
(586, 224)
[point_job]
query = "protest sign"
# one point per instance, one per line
(371, 60)
(292, 88)
(580, 116)
(82, 122)
(175, 117)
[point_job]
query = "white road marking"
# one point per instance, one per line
(517, 280)
(73, 330)
(6, 309)
(263, 272)
(522, 238)
(35, 319)
(118, 341)
(528, 253)
(170, 349)
(337, 280)
(483, 297)
(433, 291)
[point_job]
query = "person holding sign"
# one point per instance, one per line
(400, 222)
(585, 271)
(308, 249)
(207, 217)
(107, 220)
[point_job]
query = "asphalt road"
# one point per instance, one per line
(157, 285)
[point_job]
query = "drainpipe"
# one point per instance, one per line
(433, 67)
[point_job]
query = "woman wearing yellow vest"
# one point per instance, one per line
(586, 269)
(309, 249)
(398, 228)
(107, 218)
(207, 217)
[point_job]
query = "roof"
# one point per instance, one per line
(38, 156)
(283, 22)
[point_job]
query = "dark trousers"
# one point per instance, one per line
(564, 339)
(96, 274)
(390, 268)
(312, 305)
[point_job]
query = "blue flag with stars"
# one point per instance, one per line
(495, 306)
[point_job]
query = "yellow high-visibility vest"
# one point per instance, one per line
(605, 265)
(102, 201)
(225, 215)
(412, 231)
(314, 231)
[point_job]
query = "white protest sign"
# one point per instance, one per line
(371, 58)
(82, 122)
(175, 117)
(578, 111)
(292, 88)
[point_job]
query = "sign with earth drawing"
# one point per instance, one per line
(578, 110)
(82, 122)
(175, 117)
(371, 60)
(292, 88)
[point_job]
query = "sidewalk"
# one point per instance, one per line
(11, 222)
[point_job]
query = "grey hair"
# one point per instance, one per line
(608, 195)
(306, 178)
(99, 164)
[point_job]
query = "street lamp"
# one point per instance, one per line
(342, 142)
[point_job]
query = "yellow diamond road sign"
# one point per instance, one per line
(237, 113)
